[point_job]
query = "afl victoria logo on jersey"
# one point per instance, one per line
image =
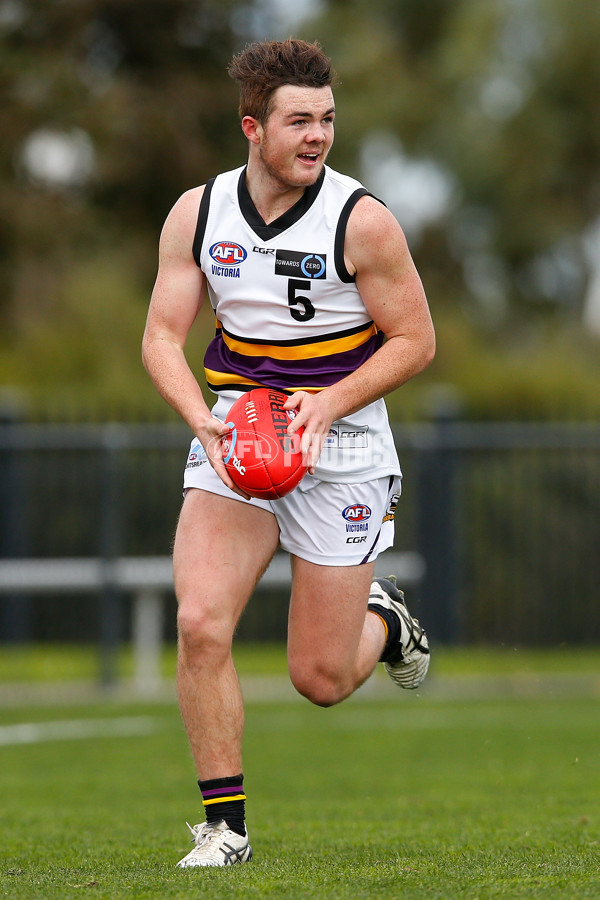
(227, 253)
(227, 256)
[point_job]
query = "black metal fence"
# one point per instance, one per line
(505, 517)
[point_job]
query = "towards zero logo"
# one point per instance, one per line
(295, 264)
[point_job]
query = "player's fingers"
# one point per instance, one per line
(237, 490)
(294, 400)
(221, 471)
(315, 449)
(305, 447)
(311, 446)
(216, 451)
(214, 447)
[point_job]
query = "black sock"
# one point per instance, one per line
(392, 627)
(224, 798)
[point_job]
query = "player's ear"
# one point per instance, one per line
(252, 129)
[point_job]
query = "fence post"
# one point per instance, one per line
(147, 640)
(15, 610)
(438, 520)
(110, 546)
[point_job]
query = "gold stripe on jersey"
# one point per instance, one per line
(301, 351)
(223, 378)
(307, 390)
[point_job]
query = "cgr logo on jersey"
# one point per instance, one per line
(293, 264)
(227, 257)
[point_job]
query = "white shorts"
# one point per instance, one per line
(323, 522)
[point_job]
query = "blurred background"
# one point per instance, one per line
(478, 123)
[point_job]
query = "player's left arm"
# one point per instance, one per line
(377, 254)
(392, 292)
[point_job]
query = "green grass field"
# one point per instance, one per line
(484, 784)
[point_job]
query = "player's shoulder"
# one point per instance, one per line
(183, 215)
(368, 211)
(182, 219)
(373, 235)
(340, 181)
(180, 225)
(372, 211)
(189, 202)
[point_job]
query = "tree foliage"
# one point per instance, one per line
(144, 87)
(503, 94)
(500, 96)
(146, 83)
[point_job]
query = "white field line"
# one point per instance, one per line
(75, 729)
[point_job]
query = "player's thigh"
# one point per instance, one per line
(222, 547)
(327, 614)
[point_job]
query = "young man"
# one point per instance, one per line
(307, 274)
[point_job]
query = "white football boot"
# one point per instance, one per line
(407, 660)
(216, 845)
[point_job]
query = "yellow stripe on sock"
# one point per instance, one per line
(224, 799)
(385, 625)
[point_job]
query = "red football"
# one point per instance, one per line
(259, 455)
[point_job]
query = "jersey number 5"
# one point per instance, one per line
(307, 310)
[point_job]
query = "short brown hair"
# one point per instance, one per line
(265, 65)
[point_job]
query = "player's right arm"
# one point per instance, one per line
(177, 297)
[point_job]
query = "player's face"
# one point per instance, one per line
(298, 134)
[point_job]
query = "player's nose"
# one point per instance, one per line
(316, 133)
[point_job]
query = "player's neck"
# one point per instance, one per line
(271, 197)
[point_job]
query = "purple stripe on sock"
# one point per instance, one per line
(238, 789)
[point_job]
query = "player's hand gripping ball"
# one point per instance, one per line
(260, 456)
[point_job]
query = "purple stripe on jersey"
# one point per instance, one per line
(238, 789)
(288, 374)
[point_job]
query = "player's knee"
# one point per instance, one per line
(320, 686)
(200, 633)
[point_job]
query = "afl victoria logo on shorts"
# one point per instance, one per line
(357, 513)
(357, 524)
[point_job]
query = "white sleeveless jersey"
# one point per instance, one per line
(289, 314)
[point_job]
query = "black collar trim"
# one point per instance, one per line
(285, 221)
